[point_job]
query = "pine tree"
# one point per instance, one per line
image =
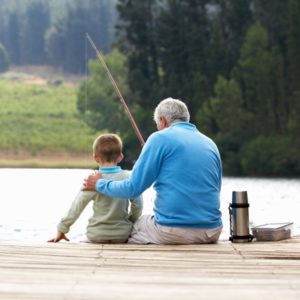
(259, 67)
(34, 27)
(294, 69)
(4, 60)
(236, 17)
(13, 37)
(137, 33)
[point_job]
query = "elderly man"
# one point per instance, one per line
(185, 169)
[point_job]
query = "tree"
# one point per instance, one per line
(13, 37)
(35, 24)
(55, 44)
(101, 23)
(235, 17)
(183, 39)
(100, 106)
(74, 39)
(259, 67)
(2, 25)
(138, 39)
(274, 18)
(66, 42)
(250, 108)
(231, 122)
(4, 60)
(97, 99)
(218, 54)
(294, 44)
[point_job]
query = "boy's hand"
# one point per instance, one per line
(90, 182)
(59, 236)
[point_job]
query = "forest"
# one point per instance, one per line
(53, 32)
(236, 63)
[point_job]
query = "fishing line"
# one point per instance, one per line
(121, 98)
(86, 75)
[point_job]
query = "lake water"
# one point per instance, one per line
(32, 201)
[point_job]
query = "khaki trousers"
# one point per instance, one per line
(147, 231)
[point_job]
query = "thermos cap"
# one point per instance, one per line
(239, 197)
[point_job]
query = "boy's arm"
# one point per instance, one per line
(78, 205)
(136, 208)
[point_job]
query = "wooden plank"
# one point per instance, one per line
(88, 271)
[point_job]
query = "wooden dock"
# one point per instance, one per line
(256, 270)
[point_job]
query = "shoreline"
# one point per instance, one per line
(77, 161)
(52, 161)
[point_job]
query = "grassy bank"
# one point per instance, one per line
(67, 160)
(40, 125)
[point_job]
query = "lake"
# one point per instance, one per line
(32, 201)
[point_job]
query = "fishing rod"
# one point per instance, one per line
(121, 98)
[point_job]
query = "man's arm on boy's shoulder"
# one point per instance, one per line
(89, 183)
(136, 208)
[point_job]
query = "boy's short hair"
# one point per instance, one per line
(108, 147)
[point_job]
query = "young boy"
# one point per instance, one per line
(112, 220)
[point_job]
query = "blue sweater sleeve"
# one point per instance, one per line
(144, 173)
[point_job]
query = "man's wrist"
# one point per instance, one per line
(97, 185)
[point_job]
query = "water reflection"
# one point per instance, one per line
(33, 201)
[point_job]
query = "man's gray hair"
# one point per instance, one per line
(173, 110)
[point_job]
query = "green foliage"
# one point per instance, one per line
(227, 107)
(248, 116)
(140, 46)
(196, 45)
(229, 120)
(235, 63)
(40, 32)
(100, 105)
(235, 17)
(97, 98)
(294, 43)
(41, 119)
(4, 60)
(65, 40)
(294, 119)
(271, 155)
(32, 33)
(13, 39)
(260, 74)
(254, 67)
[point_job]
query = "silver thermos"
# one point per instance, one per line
(239, 218)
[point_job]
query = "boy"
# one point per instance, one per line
(111, 221)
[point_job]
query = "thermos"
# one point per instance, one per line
(239, 218)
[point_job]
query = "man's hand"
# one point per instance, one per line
(59, 236)
(90, 182)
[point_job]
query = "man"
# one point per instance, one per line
(185, 169)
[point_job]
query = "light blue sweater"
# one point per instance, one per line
(185, 167)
